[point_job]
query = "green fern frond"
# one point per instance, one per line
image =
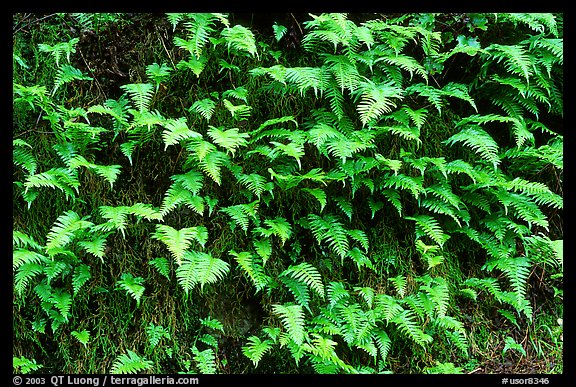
(406, 324)
(331, 230)
(80, 277)
(415, 185)
(319, 194)
(62, 178)
(242, 213)
(280, 227)
(432, 94)
(427, 225)
(83, 337)
(141, 94)
(178, 195)
(23, 157)
(205, 360)
(161, 264)
(376, 99)
(63, 230)
(23, 365)
(292, 318)
(230, 139)
(67, 74)
(212, 165)
(130, 363)
(177, 130)
(132, 285)
(196, 65)
(158, 73)
(255, 349)
(116, 216)
(205, 107)
(253, 268)
(21, 256)
(178, 241)
(200, 268)
(480, 141)
(299, 290)
(240, 39)
(515, 58)
(24, 274)
(155, 334)
(308, 274)
(256, 183)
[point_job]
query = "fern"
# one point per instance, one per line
(64, 229)
(155, 334)
(480, 141)
(252, 267)
(177, 130)
(158, 73)
(200, 268)
(161, 264)
(329, 229)
(205, 107)
(83, 337)
(132, 285)
(80, 277)
(242, 213)
(240, 39)
(255, 349)
(229, 139)
(376, 100)
(130, 363)
(307, 274)
(141, 95)
(205, 360)
(178, 241)
(293, 320)
(23, 365)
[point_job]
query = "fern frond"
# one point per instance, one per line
(329, 228)
(308, 274)
(161, 264)
(319, 194)
(23, 157)
(427, 225)
(292, 318)
(376, 99)
(205, 360)
(132, 285)
(83, 337)
(240, 39)
(24, 274)
(67, 224)
(130, 363)
(66, 74)
(80, 277)
(178, 241)
(156, 333)
(205, 107)
(480, 141)
(141, 94)
(194, 64)
(255, 349)
(253, 268)
(200, 268)
(407, 325)
(62, 178)
(177, 130)
(413, 184)
(242, 213)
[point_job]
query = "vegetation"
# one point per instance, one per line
(327, 193)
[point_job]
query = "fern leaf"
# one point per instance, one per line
(205, 360)
(429, 226)
(251, 267)
(480, 141)
(240, 39)
(230, 139)
(205, 107)
(200, 268)
(24, 274)
(130, 363)
(161, 264)
(177, 130)
(280, 227)
(293, 320)
(407, 325)
(308, 274)
(178, 195)
(298, 289)
(319, 194)
(132, 285)
(331, 230)
(242, 213)
(64, 229)
(83, 336)
(178, 241)
(255, 349)
(80, 277)
(141, 94)
(376, 100)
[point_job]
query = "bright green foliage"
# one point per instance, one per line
(130, 363)
(339, 193)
